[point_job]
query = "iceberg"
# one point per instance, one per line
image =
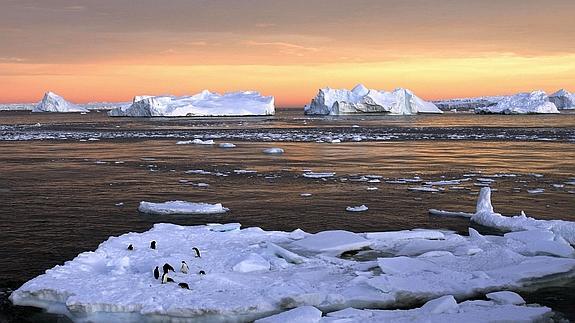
(52, 102)
(363, 100)
(180, 207)
(563, 99)
(205, 103)
(252, 274)
(536, 102)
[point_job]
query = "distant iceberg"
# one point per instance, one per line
(536, 102)
(52, 102)
(563, 99)
(363, 100)
(248, 103)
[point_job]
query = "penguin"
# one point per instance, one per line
(167, 267)
(184, 285)
(197, 252)
(130, 247)
(166, 279)
(153, 244)
(184, 267)
(202, 272)
(157, 272)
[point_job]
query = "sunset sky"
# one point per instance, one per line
(111, 50)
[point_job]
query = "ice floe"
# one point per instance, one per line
(180, 207)
(523, 103)
(205, 103)
(195, 142)
(251, 274)
(360, 208)
(52, 102)
(363, 100)
(227, 145)
(318, 175)
(273, 151)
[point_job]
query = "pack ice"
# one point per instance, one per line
(52, 102)
(252, 274)
(363, 100)
(205, 103)
(536, 102)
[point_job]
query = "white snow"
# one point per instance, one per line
(523, 103)
(506, 297)
(180, 207)
(363, 100)
(205, 103)
(332, 242)
(273, 151)
(360, 208)
(302, 314)
(563, 99)
(52, 102)
(253, 262)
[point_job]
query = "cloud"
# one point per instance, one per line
(284, 47)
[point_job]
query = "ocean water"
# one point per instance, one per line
(68, 182)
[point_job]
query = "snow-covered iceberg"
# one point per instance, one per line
(536, 102)
(251, 274)
(52, 102)
(205, 103)
(363, 100)
(563, 99)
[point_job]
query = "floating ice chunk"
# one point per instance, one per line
(195, 142)
(227, 145)
(253, 262)
(318, 175)
(506, 297)
(449, 213)
(363, 100)
(305, 194)
(52, 102)
(406, 235)
(450, 182)
(273, 151)
(245, 171)
(536, 191)
(444, 304)
(423, 189)
(372, 188)
(201, 104)
(522, 103)
(302, 314)
(181, 207)
(360, 208)
(332, 242)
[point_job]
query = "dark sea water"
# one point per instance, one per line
(63, 176)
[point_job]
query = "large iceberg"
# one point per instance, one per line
(205, 103)
(52, 102)
(563, 99)
(363, 100)
(535, 102)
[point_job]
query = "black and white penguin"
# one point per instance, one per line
(202, 272)
(184, 285)
(197, 252)
(166, 279)
(167, 267)
(184, 267)
(157, 272)
(130, 247)
(153, 244)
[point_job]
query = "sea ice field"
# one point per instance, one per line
(452, 217)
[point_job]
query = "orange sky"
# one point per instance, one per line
(111, 50)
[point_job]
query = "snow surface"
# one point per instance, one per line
(302, 314)
(113, 283)
(180, 207)
(535, 102)
(205, 103)
(363, 100)
(563, 99)
(52, 102)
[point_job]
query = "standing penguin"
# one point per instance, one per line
(184, 285)
(167, 267)
(166, 279)
(153, 244)
(157, 272)
(197, 252)
(184, 267)
(130, 247)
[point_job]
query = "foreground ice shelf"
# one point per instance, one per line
(205, 103)
(251, 274)
(363, 100)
